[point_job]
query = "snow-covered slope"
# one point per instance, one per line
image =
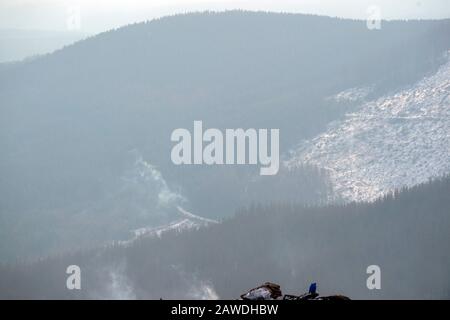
(397, 140)
(186, 220)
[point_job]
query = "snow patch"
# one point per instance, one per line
(395, 141)
(356, 94)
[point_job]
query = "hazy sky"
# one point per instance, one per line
(99, 15)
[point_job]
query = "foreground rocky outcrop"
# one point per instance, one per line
(272, 291)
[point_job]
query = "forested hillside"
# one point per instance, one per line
(80, 127)
(405, 233)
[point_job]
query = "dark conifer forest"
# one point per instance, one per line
(405, 233)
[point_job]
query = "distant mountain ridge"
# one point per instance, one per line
(19, 44)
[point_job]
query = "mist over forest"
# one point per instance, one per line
(405, 233)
